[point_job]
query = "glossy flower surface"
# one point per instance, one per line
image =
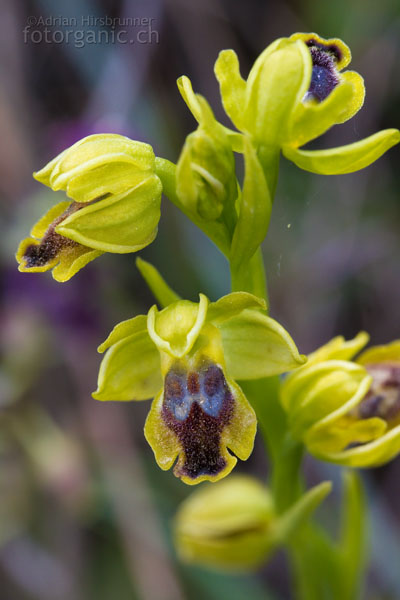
(114, 205)
(296, 91)
(187, 357)
(347, 410)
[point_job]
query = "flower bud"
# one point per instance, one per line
(206, 179)
(233, 525)
(226, 526)
(205, 174)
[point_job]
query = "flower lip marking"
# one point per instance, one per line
(197, 406)
(47, 249)
(176, 399)
(324, 77)
(38, 255)
(383, 398)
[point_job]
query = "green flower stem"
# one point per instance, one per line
(166, 171)
(284, 452)
(326, 567)
(269, 159)
(287, 481)
(251, 277)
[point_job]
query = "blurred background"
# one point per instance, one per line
(84, 511)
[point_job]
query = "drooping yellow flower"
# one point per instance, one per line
(187, 357)
(347, 410)
(114, 205)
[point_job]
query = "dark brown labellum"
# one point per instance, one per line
(197, 406)
(324, 77)
(39, 255)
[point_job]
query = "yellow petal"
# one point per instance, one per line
(40, 228)
(257, 346)
(130, 369)
(123, 330)
(71, 260)
(339, 349)
(311, 119)
(239, 434)
(175, 329)
(385, 353)
(345, 159)
(372, 454)
(276, 83)
(161, 439)
(357, 98)
(122, 223)
(232, 86)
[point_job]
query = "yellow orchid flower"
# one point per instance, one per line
(114, 205)
(345, 409)
(187, 357)
(296, 91)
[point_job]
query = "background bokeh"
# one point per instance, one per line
(84, 512)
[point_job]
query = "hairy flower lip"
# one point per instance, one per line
(330, 48)
(197, 406)
(335, 47)
(47, 248)
(324, 76)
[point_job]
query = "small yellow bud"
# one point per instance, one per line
(226, 526)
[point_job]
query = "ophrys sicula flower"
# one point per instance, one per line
(114, 205)
(188, 357)
(346, 409)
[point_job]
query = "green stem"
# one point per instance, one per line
(269, 159)
(287, 482)
(251, 277)
(285, 453)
